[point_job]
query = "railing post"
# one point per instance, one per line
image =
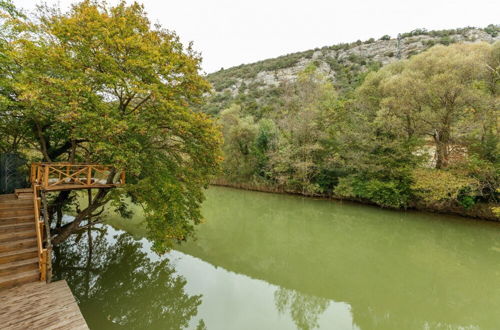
(37, 173)
(32, 173)
(45, 177)
(89, 175)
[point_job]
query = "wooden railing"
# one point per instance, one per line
(47, 177)
(61, 176)
(43, 252)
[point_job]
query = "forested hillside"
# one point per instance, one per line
(406, 122)
(257, 84)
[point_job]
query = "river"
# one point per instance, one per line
(270, 261)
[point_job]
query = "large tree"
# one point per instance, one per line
(303, 121)
(101, 84)
(445, 94)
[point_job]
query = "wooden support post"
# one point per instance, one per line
(43, 265)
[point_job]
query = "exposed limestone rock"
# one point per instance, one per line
(354, 57)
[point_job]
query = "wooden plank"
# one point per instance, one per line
(78, 186)
(40, 306)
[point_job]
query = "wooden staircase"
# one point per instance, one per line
(25, 244)
(19, 257)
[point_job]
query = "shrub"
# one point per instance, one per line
(446, 40)
(492, 29)
(390, 193)
(429, 43)
(443, 187)
(385, 37)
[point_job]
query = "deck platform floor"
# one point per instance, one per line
(39, 305)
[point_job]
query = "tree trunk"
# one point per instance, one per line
(64, 232)
(442, 140)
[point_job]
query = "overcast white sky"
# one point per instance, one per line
(232, 32)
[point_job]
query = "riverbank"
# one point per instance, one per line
(478, 211)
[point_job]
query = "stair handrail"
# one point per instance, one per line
(48, 242)
(42, 252)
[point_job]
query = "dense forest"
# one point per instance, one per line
(420, 131)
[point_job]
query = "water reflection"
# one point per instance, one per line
(119, 286)
(304, 309)
(266, 261)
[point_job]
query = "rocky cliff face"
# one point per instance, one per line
(341, 63)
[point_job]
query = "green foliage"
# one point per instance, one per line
(393, 194)
(385, 37)
(436, 33)
(239, 135)
(101, 84)
(446, 40)
(376, 134)
(434, 95)
(493, 30)
(436, 187)
(429, 43)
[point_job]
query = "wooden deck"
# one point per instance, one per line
(40, 306)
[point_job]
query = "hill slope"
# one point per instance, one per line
(344, 64)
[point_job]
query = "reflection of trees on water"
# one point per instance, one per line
(117, 285)
(304, 309)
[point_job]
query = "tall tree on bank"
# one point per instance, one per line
(101, 84)
(303, 121)
(444, 94)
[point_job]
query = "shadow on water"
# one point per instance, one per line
(319, 264)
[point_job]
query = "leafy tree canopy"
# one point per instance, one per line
(101, 84)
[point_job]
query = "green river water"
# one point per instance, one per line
(267, 261)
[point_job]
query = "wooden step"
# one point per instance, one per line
(19, 244)
(16, 212)
(12, 200)
(17, 234)
(18, 266)
(15, 227)
(8, 197)
(17, 203)
(23, 191)
(28, 253)
(25, 197)
(19, 278)
(20, 219)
